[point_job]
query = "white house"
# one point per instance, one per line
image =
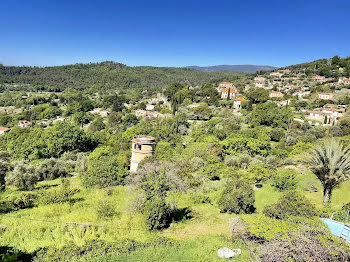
(319, 78)
(228, 92)
(326, 96)
(237, 104)
(224, 85)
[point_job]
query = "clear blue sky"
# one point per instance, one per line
(173, 33)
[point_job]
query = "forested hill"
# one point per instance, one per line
(233, 68)
(333, 67)
(107, 75)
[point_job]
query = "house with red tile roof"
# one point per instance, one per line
(237, 103)
(224, 85)
(319, 78)
(3, 130)
(275, 94)
(228, 93)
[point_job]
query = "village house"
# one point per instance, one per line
(326, 96)
(344, 81)
(24, 123)
(237, 104)
(327, 115)
(150, 107)
(149, 114)
(100, 111)
(228, 93)
(319, 78)
(283, 103)
(290, 87)
(224, 85)
(3, 130)
(194, 105)
(275, 94)
(284, 71)
(259, 81)
(301, 94)
(58, 119)
(276, 74)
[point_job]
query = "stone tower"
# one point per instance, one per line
(142, 146)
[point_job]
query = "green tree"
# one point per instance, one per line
(285, 179)
(23, 176)
(103, 169)
(259, 95)
(237, 197)
(80, 118)
(330, 162)
(269, 114)
(290, 203)
(4, 168)
(97, 124)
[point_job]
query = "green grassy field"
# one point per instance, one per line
(197, 237)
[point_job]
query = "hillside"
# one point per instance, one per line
(233, 68)
(107, 75)
(333, 67)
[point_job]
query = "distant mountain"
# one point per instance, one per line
(233, 68)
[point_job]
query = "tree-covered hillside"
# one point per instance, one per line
(334, 67)
(109, 75)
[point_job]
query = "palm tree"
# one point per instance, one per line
(330, 162)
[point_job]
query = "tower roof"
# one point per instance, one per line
(145, 140)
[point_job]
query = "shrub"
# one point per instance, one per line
(276, 134)
(50, 169)
(346, 206)
(61, 195)
(21, 200)
(237, 197)
(4, 168)
(285, 179)
(103, 169)
(23, 176)
(258, 173)
(308, 244)
(157, 213)
(105, 208)
(94, 248)
(291, 203)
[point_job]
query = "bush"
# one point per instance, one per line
(258, 173)
(105, 208)
(276, 134)
(237, 197)
(285, 179)
(4, 169)
(291, 203)
(61, 195)
(19, 201)
(157, 213)
(308, 244)
(23, 176)
(94, 248)
(50, 169)
(346, 206)
(103, 169)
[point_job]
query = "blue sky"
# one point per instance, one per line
(173, 33)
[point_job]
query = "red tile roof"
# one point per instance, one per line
(232, 90)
